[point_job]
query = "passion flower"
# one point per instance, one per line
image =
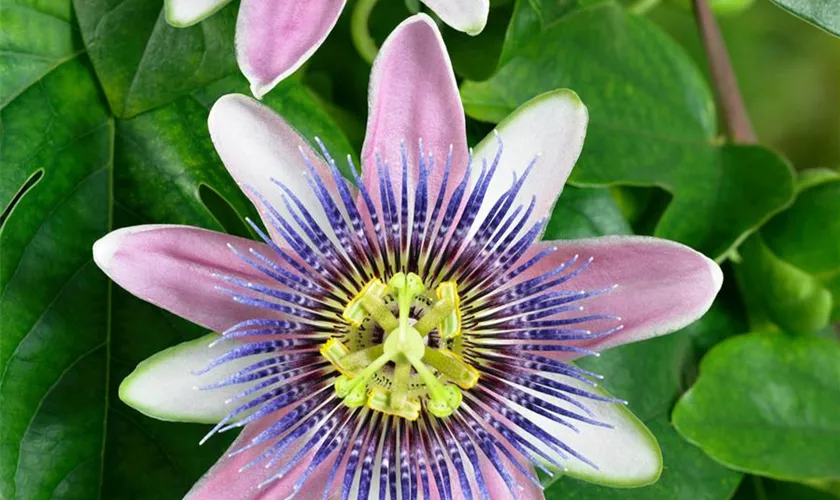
(407, 334)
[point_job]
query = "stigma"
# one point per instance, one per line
(401, 351)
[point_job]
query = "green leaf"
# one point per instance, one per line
(585, 213)
(641, 206)
(806, 234)
(758, 488)
(780, 292)
(660, 362)
(530, 17)
(821, 13)
(27, 58)
(718, 7)
(767, 404)
(69, 335)
(651, 123)
(724, 319)
(142, 62)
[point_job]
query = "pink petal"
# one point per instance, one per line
(414, 96)
(275, 37)
(662, 286)
(497, 486)
(225, 481)
(257, 145)
(469, 16)
(172, 267)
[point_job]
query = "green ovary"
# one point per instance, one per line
(394, 375)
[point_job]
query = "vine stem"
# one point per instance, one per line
(735, 118)
(359, 31)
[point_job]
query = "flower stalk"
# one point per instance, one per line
(365, 45)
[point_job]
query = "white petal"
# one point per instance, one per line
(627, 455)
(257, 145)
(165, 386)
(469, 16)
(549, 128)
(183, 13)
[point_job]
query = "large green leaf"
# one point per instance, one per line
(822, 13)
(651, 123)
(142, 62)
(54, 314)
(768, 404)
(69, 335)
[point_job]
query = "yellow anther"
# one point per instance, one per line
(355, 312)
(381, 400)
(334, 351)
(439, 310)
(357, 361)
(450, 327)
(452, 367)
(354, 388)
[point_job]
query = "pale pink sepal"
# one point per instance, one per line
(184, 13)
(413, 96)
(275, 37)
(660, 286)
(469, 16)
(523, 487)
(173, 267)
(257, 145)
(225, 480)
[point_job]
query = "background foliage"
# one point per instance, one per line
(103, 110)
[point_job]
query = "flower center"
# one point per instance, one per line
(390, 363)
